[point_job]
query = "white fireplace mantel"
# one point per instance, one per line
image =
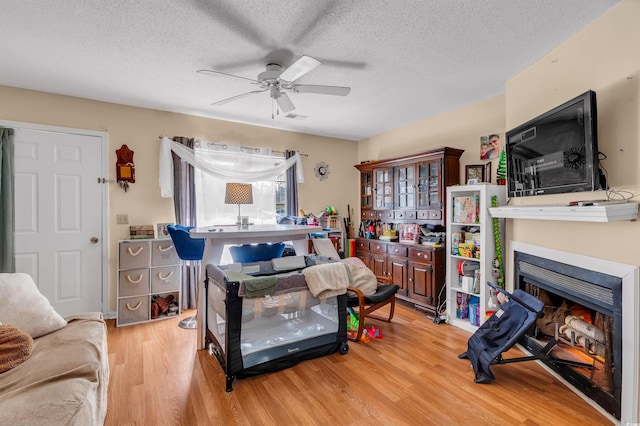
(600, 213)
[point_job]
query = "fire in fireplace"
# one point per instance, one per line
(583, 313)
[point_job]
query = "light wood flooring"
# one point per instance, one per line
(412, 376)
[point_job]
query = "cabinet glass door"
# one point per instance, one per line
(366, 190)
(429, 178)
(405, 187)
(383, 188)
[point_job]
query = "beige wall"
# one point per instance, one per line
(460, 128)
(603, 57)
(139, 128)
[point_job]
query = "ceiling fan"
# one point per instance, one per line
(277, 81)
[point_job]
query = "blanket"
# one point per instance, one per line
(64, 382)
(15, 347)
(327, 280)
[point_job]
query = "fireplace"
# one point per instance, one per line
(591, 308)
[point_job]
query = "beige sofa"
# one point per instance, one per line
(64, 380)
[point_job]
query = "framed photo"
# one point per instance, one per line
(409, 233)
(162, 230)
(477, 173)
(489, 147)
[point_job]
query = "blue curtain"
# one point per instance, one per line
(7, 263)
(292, 187)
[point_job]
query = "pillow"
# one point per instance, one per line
(23, 306)
(15, 347)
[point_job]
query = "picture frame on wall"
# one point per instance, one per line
(477, 173)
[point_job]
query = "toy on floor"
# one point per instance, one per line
(373, 332)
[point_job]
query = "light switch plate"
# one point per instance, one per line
(122, 219)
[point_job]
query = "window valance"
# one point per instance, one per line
(233, 163)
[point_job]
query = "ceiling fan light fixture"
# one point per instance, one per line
(299, 68)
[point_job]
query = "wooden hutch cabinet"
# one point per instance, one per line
(409, 189)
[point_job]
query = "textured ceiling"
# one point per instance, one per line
(404, 60)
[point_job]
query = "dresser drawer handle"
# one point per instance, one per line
(165, 278)
(136, 253)
(136, 281)
(134, 308)
(162, 249)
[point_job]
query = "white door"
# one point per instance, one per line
(58, 216)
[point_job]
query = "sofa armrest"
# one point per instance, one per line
(85, 316)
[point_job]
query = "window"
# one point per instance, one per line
(269, 200)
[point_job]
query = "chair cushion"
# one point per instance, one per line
(256, 252)
(383, 293)
(187, 248)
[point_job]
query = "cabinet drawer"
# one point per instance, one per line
(134, 254)
(362, 245)
(397, 250)
(133, 282)
(165, 279)
(376, 247)
(420, 255)
(163, 253)
(387, 215)
(133, 309)
(367, 214)
(405, 214)
(430, 214)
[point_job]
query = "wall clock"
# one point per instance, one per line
(322, 170)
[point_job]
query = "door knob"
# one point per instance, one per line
(94, 240)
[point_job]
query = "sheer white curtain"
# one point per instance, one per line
(210, 188)
(221, 163)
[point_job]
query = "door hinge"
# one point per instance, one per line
(102, 180)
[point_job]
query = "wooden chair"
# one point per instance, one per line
(365, 304)
(385, 295)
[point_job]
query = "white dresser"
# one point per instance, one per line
(147, 270)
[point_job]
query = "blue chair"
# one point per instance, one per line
(246, 253)
(189, 249)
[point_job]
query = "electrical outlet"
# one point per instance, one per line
(122, 219)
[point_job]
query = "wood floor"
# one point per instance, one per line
(412, 376)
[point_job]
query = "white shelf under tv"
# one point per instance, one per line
(600, 213)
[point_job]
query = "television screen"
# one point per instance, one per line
(556, 152)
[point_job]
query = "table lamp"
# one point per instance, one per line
(238, 193)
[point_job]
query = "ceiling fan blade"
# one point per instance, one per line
(236, 97)
(313, 21)
(323, 90)
(285, 103)
(342, 64)
(299, 68)
(212, 72)
(234, 21)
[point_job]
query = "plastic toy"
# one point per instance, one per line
(331, 210)
(374, 332)
(354, 320)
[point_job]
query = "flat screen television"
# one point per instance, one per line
(556, 152)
